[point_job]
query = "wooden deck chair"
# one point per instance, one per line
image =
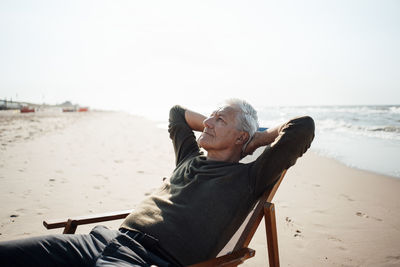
(263, 209)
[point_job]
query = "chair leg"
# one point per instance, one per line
(70, 227)
(272, 237)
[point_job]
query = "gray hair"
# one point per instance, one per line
(247, 118)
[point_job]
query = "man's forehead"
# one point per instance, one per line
(225, 110)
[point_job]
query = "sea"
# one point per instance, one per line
(364, 137)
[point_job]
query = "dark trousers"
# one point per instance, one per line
(101, 247)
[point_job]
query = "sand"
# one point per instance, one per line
(55, 165)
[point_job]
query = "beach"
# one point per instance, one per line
(55, 165)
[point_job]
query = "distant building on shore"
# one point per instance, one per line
(67, 106)
(5, 105)
(26, 107)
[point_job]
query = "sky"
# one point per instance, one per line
(145, 56)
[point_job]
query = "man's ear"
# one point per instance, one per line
(242, 139)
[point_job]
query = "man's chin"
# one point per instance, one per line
(202, 143)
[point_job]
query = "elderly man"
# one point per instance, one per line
(194, 213)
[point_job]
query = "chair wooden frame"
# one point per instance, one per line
(264, 209)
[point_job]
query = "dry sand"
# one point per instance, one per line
(54, 165)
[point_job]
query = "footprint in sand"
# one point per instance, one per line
(361, 214)
(27, 192)
(298, 234)
(319, 211)
(347, 197)
(289, 223)
(338, 241)
(13, 217)
(318, 225)
(394, 259)
(51, 184)
(102, 176)
(335, 239)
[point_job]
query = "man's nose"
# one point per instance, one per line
(208, 123)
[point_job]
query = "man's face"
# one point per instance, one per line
(220, 130)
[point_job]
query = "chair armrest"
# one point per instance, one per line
(88, 219)
(233, 259)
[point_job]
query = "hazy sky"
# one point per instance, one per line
(145, 56)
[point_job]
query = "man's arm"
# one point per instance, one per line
(181, 134)
(262, 139)
(195, 120)
(293, 140)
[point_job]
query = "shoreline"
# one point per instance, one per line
(328, 214)
(344, 164)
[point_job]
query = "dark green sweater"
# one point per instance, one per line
(196, 211)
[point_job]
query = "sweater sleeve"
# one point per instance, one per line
(182, 136)
(293, 141)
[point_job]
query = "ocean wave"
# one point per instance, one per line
(343, 127)
(395, 109)
(332, 110)
(346, 132)
(390, 129)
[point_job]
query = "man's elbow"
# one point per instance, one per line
(307, 128)
(302, 127)
(175, 109)
(175, 112)
(309, 124)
